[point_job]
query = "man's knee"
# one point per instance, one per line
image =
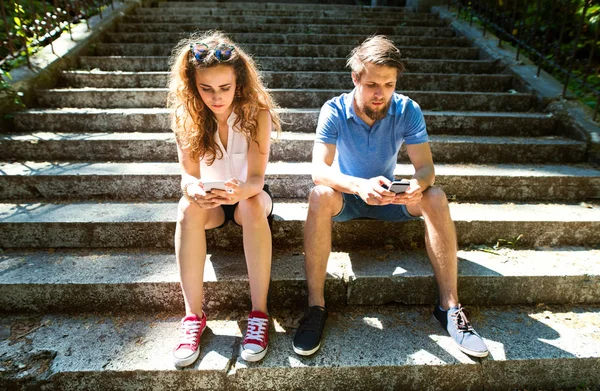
(322, 196)
(434, 197)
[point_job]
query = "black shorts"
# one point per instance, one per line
(230, 209)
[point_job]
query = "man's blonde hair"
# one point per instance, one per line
(378, 50)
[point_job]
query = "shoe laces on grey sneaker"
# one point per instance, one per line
(457, 324)
(461, 322)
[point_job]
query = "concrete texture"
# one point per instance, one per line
(248, 37)
(446, 82)
(408, 47)
(419, 28)
(545, 345)
(132, 280)
(147, 14)
(295, 120)
(424, 5)
(47, 182)
(122, 225)
(486, 276)
(69, 281)
(291, 18)
(158, 63)
(290, 147)
(291, 98)
(226, 6)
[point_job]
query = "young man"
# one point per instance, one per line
(366, 128)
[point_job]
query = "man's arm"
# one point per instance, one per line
(424, 177)
(369, 190)
(422, 161)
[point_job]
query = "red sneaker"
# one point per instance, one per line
(256, 341)
(187, 350)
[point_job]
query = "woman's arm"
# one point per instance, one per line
(258, 156)
(191, 186)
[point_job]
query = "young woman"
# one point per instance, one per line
(222, 119)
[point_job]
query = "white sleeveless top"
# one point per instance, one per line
(234, 163)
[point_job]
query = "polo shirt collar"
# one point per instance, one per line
(349, 103)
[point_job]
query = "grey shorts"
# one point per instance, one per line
(354, 208)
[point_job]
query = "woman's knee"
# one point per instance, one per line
(188, 213)
(253, 208)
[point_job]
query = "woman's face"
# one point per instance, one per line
(216, 86)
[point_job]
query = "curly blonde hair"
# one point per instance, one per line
(193, 123)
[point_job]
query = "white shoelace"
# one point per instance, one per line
(256, 328)
(189, 332)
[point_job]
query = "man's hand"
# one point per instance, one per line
(372, 192)
(411, 196)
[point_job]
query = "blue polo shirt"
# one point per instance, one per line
(363, 151)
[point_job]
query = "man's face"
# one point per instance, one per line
(374, 90)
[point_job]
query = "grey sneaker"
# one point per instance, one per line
(455, 322)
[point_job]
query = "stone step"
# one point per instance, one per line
(325, 80)
(364, 348)
(296, 120)
(207, 10)
(140, 280)
(274, 39)
(147, 280)
(159, 147)
(152, 224)
(289, 98)
(282, 17)
(431, 28)
(191, 7)
(296, 50)
(153, 181)
(157, 63)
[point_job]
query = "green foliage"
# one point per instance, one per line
(509, 243)
(30, 22)
(26, 22)
(550, 27)
(5, 88)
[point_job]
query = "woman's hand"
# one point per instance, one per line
(233, 194)
(201, 198)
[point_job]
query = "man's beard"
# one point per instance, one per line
(375, 115)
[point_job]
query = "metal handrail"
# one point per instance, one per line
(540, 27)
(47, 19)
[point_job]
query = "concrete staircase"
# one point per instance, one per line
(89, 293)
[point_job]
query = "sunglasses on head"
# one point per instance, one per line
(201, 51)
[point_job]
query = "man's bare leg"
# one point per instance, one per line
(323, 203)
(440, 241)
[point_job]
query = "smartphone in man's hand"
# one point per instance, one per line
(399, 186)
